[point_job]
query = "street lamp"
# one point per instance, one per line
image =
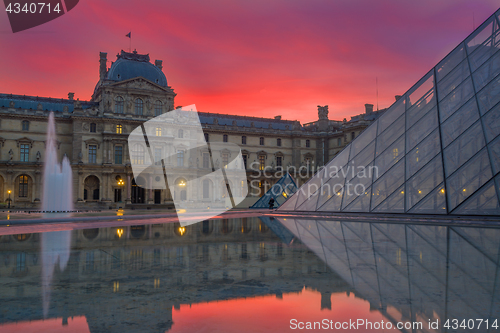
(9, 200)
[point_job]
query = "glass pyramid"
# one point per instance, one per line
(436, 150)
(281, 191)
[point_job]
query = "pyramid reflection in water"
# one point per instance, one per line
(436, 150)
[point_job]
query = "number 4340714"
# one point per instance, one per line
(470, 324)
(32, 8)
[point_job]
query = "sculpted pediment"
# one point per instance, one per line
(140, 83)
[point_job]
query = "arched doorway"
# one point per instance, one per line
(138, 192)
(91, 189)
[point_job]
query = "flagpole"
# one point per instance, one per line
(130, 44)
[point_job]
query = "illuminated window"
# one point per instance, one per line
(158, 108)
(93, 128)
(395, 152)
(225, 160)
(137, 154)
(23, 186)
(25, 153)
(138, 106)
(158, 131)
(119, 129)
(261, 141)
(262, 162)
(119, 104)
(92, 154)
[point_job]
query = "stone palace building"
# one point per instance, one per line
(93, 134)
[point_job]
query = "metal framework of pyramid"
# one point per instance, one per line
(281, 191)
(436, 150)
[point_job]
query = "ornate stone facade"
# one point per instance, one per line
(93, 134)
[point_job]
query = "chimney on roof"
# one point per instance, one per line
(159, 64)
(102, 65)
(398, 97)
(368, 108)
(277, 117)
(71, 96)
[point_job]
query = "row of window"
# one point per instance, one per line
(225, 138)
(138, 106)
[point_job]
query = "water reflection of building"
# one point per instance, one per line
(412, 272)
(128, 279)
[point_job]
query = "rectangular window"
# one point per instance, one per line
(279, 161)
(206, 137)
(262, 162)
(118, 129)
(261, 141)
(180, 158)
(245, 158)
(339, 142)
(353, 135)
(308, 143)
(278, 142)
(243, 140)
(206, 160)
(225, 160)
(118, 154)
(92, 154)
(157, 156)
(25, 152)
(206, 189)
(26, 125)
(224, 138)
(158, 131)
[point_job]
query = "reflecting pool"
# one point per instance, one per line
(253, 274)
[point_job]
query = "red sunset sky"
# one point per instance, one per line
(259, 58)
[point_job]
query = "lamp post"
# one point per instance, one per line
(8, 200)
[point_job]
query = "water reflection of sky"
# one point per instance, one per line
(247, 275)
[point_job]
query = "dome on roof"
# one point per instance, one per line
(132, 65)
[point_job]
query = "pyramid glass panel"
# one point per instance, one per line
(280, 192)
(459, 122)
(491, 122)
(463, 148)
(436, 150)
(468, 179)
(494, 148)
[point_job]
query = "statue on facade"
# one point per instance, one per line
(11, 155)
(323, 112)
(190, 162)
(38, 156)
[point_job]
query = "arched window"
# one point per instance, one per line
(224, 138)
(278, 142)
(23, 186)
(25, 125)
(261, 141)
(138, 107)
(308, 143)
(138, 154)
(93, 128)
(181, 134)
(119, 104)
(158, 108)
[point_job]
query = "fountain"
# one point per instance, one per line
(57, 197)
